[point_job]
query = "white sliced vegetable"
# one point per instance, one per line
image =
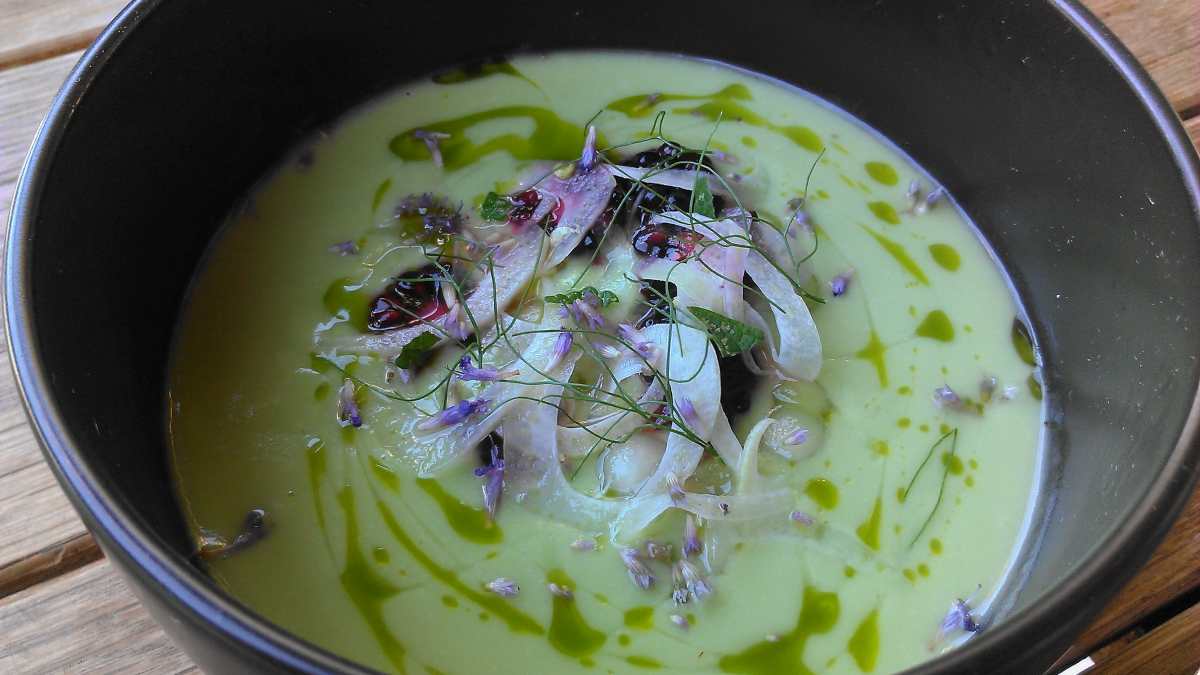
(798, 355)
(684, 179)
(746, 477)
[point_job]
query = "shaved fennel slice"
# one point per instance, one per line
(799, 353)
(532, 470)
(513, 271)
(725, 442)
(786, 251)
(435, 451)
(624, 467)
(579, 441)
(746, 476)
(583, 197)
(763, 506)
(685, 179)
(723, 260)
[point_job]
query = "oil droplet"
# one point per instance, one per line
(749, 142)
(904, 390)
(449, 601)
(587, 662)
(936, 326)
(821, 194)
(1035, 387)
(600, 598)
(484, 616)
(641, 618)
(881, 448)
(910, 575)
(624, 640)
(900, 255)
(969, 481)
(972, 463)
(849, 571)
(818, 614)
(935, 546)
(883, 173)
(1023, 343)
(885, 212)
(946, 256)
(468, 522)
(876, 354)
(569, 632)
(864, 644)
(552, 138)
(380, 193)
(923, 569)
(643, 662)
(322, 391)
(823, 492)
(952, 463)
(944, 428)
(904, 422)
(381, 555)
(900, 495)
(868, 532)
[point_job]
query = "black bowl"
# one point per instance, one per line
(1052, 138)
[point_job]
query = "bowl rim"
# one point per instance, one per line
(171, 578)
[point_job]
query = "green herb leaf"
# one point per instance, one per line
(495, 207)
(605, 297)
(730, 335)
(702, 198)
(416, 351)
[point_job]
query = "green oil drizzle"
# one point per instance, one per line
(936, 326)
(882, 172)
(643, 662)
(868, 532)
(569, 633)
(517, 620)
(885, 212)
(823, 492)
(935, 546)
(317, 466)
(450, 601)
(478, 71)
(640, 105)
(381, 555)
(552, 138)
(368, 590)
(904, 422)
(749, 142)
(864, 644)
(875, 353)
(818, 614)
(849, 572)
(923, 569)
(467, 521)
(946, 256)
(641, 618)
(1023, 343)
(723, 108)
(380, 193)
(952, 463)
(348, 295)
(1035, 387)
(900, 255)
(322, 391)
(624, 640)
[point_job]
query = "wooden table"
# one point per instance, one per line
(64, 609)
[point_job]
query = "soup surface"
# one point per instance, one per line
(361, 446)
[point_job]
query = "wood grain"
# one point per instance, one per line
(1170, 649)
(86, 621)
(38, 29)
(1165, 37)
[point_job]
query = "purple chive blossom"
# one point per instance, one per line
(724, 509)
(841, 283)
(585, 312)
(493, 483)
(801, 518)
(455, 323)
(455, 414)
(944, 397)
(658, 551)
(485, 374)
(935, 195)
(561, 346)
(678, 496)
(691, 537)
(347, 408)
(588, 158)
(505, 588)
(560, 591)
(432, 140)
(583, 545)
(344, 248)
(639, 573)
(680, 621)
(688, 583)
(646, 349)
(687, 411)
(722, 156)
(913, 194)
(797, 437)
(800, 220)
(958, 618)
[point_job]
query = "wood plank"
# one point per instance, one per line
(1165, 37)
(1171, 649)
(25, 95)
(84, 621)
(35, 29)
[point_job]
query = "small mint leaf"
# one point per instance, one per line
(729, 335)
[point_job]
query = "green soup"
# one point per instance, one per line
(834, 539)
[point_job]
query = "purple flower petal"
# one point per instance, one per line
(680, 621)
(432, 140)
(687, 411)
(797, 437)
(505, 588)
(583, 545)
(658, 551)
(639, 573)
(606, 351)
(678, 496)
(801, 517)
(455, 414)
(344, 248)
(560, 591)
(484, 374)
(691, 537)
(987, 388)
(688, 583)
(562, 345)
(588, 158)
(944, 397)
(840, 283)
(347, 409)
